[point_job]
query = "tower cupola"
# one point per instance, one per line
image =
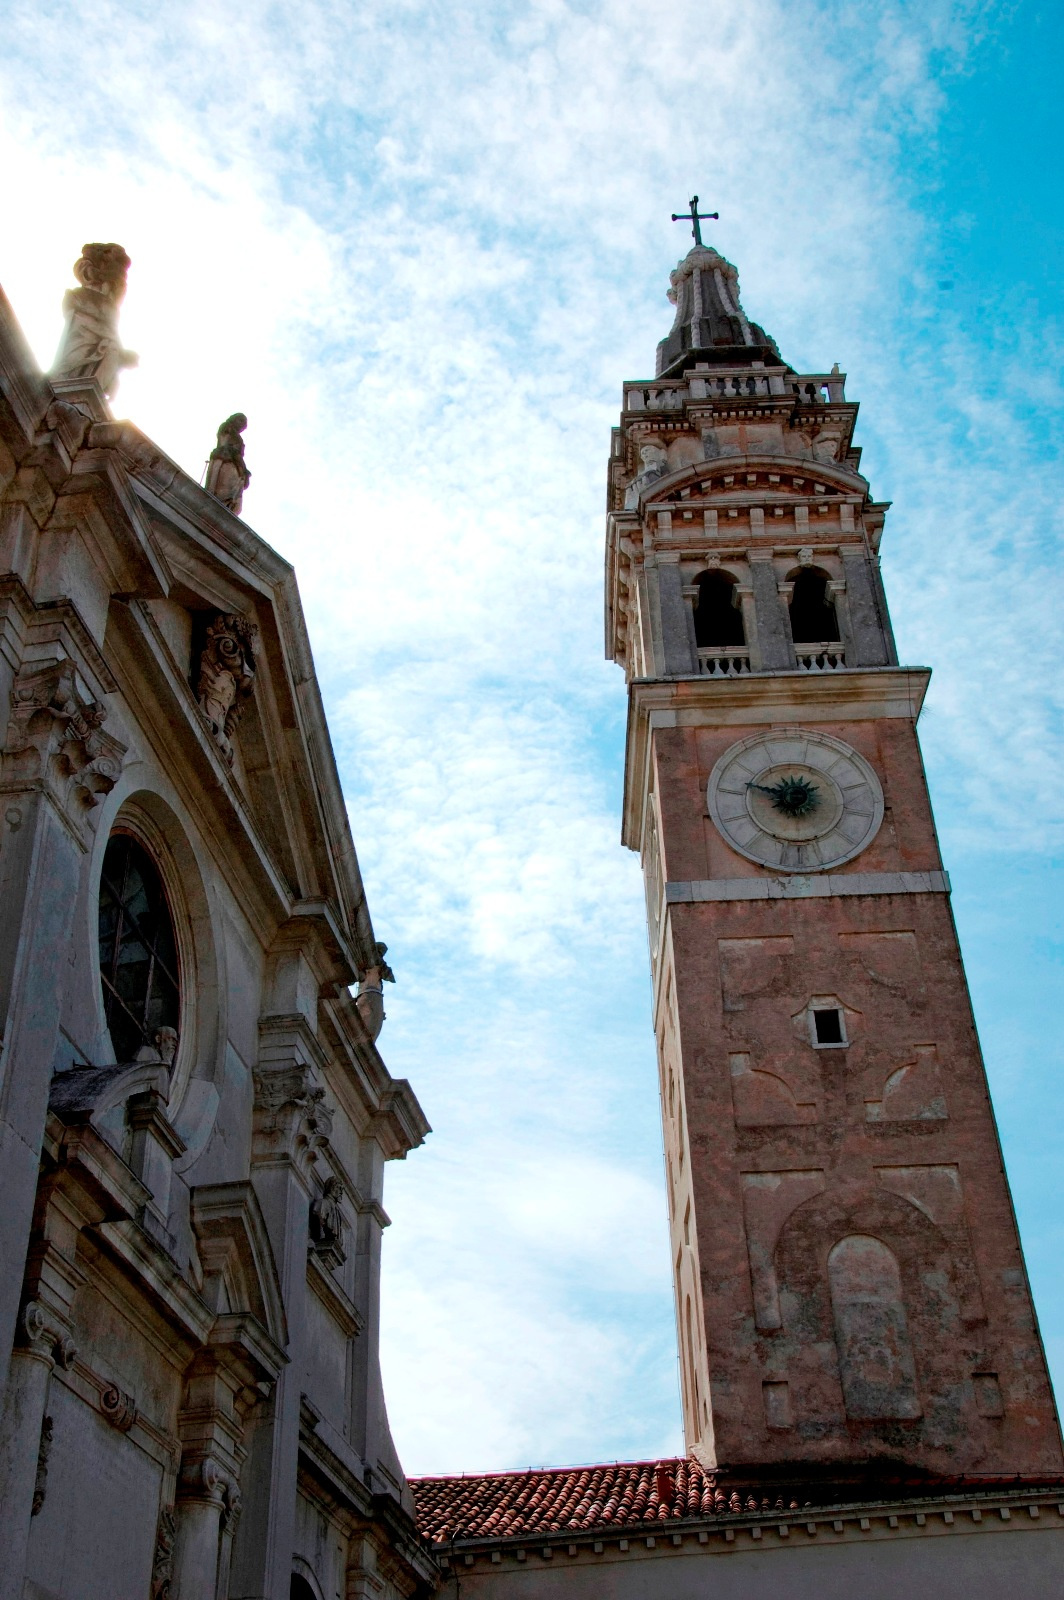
(710, 323)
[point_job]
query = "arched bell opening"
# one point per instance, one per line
(718, 616)
(813, 616)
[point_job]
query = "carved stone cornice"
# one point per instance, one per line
(56, 741)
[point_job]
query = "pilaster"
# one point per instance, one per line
(56, 763)
(291, 1122)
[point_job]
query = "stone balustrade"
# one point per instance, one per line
(735, 383)
(820, 657)
(731, 663)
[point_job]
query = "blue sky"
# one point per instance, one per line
(421, 245)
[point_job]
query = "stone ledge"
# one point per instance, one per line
(796, 887)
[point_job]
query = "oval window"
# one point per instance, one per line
(138, 951)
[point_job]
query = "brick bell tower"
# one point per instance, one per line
(850, 1288)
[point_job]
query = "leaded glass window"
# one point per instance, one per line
(138, 952)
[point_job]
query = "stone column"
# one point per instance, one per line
(290, 1123)
(200, 1503)
(773, 628)
(679, 659)
(836, 593)
(22, 1469)
(870, 638)
(744, 593)
(690, 601)
(55, 763)
(655, 657)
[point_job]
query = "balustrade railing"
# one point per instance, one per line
(820, 657)
(732, 663)
(736, 384)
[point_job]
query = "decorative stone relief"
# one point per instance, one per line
(162, 1567)
(119, 1408)
(291, 1119)
(227, 473)
(769, 1198)
(40, 1483)
(912, 1092)
(55, 734)
(765, 1099)
(232, 1505)
(225, 676)
(90, 347)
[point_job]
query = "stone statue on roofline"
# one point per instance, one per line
(369, 1001)
(90, 347)
(227, 473)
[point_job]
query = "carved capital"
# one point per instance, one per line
(41, 1335)
(55, 737)
(202, 1479)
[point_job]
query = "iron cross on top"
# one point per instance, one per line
(694, 217)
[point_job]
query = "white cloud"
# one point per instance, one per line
(422, 245)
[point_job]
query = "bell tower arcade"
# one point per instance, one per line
(850, 1288)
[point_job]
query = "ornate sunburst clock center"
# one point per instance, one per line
(793, 796)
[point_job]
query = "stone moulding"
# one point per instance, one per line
(823, 886)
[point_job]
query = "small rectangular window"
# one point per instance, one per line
(827, 1025)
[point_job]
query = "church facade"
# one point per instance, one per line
(194, 1114)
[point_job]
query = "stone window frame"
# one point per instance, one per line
(127, 925)
(827, 1002)
(149, 818)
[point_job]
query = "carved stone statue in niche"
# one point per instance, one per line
(227, 473)
(90, 346)
(226, 674)
(327, 1222)
(654, 464)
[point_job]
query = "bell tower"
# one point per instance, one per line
(850, 1289)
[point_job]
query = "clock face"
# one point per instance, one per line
(796, 801)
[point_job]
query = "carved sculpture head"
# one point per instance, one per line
(103, 267)
(231, 429)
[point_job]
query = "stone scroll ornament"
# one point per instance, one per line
(226, 675)
(90, 347)
(227, 473)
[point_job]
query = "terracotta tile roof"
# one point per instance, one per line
(507, 1504)
(623, 1494)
